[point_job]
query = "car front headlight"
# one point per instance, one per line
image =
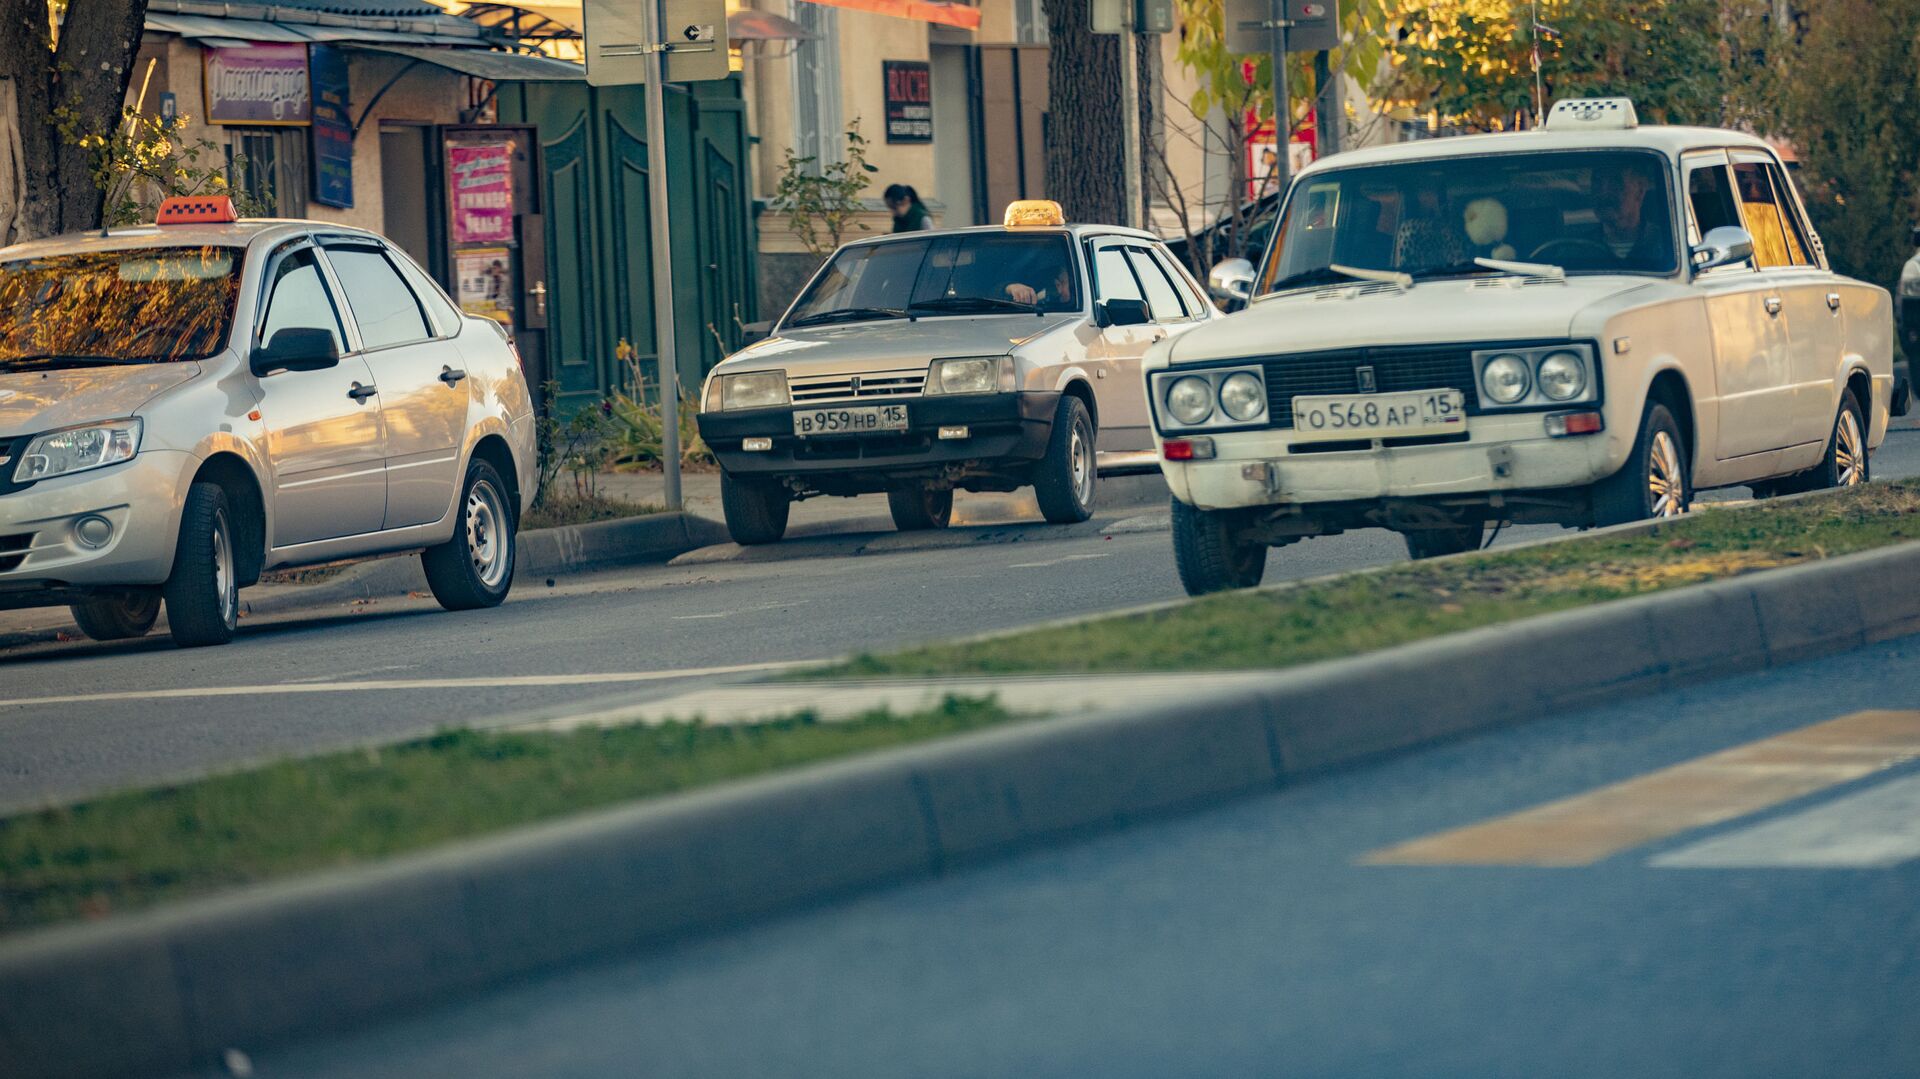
(755, 389)
(1563, 376)
(971, 374)
(77, 449)
(1506, 379)
(1243, 396)
(1190, 400)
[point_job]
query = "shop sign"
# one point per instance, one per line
(257, 84)
(909, 85)
(332, 130)
(480, 178)
(486, 282)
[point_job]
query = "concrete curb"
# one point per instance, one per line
(175, 987)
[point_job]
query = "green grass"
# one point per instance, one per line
(134, 849)
(1368, 611)
(560, 510)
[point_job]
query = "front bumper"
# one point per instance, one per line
(41, 550)
(1003, 427)
(1510, 453)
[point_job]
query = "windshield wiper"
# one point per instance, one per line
(1335, 274)
(976, 303)
(57, 359)
(1527, 269)
(848, 314)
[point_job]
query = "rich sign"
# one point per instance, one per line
(257, 84)
(909, 100)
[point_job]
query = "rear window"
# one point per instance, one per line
(158, 304)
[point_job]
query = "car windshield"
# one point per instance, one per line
(959, 273)
(1584, 211)
(144, 305)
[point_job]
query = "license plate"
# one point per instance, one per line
(850, 421)
(1379, 415)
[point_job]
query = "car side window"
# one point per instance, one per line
(1112, 277)
(1710, 197)
(1162, 300)
(383, 306)
(1773, 243)
(1796, 233)
(299, 300)
(440, 312)
(1190, 297)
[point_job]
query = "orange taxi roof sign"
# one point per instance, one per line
(1034, 212)
(196, 210)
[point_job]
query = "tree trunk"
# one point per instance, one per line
(85, 79)
(1084, 160)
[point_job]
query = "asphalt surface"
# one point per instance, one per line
(1255, 939)
(78, 718)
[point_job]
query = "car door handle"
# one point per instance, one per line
(361, 393)
(1773, 305)
(1833, 302)
(451, 377)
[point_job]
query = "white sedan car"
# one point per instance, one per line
(1582, 324)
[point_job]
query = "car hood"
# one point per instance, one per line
(33, 401)
(890, 345)
(1374, 314)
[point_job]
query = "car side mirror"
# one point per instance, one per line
(1122, 313)
(1723, 246)
(1231, 280)
(297, 348)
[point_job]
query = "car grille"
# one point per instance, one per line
(866, 386)
(1393, 370)
(14, 550)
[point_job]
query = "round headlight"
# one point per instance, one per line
(1562, 376)
(1242, 396)
(1506, 379)
(1190, 400)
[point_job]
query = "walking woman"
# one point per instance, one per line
(909, 213)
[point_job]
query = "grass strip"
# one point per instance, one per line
(561, 510)
(1282, 627)
(134, 849)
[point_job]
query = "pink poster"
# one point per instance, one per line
(482, 182)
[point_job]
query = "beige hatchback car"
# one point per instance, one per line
(186, 404)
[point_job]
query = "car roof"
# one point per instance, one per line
(1671, 141)
(1077, 231)
(247, 232)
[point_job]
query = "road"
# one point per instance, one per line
(81, 718)
(1265, 937)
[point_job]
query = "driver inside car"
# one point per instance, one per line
(1631, 230)
(1047, 287)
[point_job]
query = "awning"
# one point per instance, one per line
(934, 11)
(750, 25)
(215, 31)
(485, 64)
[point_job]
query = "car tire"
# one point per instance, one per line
(1646, 485)
(1440, 542)
(474, 569)
(203, 591)
(1209, 554)
(1846, 463)
(756, 510)
(117, 616)
(1065, 479)
(920, 508)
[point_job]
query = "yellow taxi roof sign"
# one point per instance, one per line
(1029, 213)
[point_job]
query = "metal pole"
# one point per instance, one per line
(1130, 119)
(1326, 108)
(1282, 114)
(659, 230)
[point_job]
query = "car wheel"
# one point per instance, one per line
(756, 510)
(919, 508)
(1065, 479)
(116, 616)
(203, 591)
(1209, 553)
(474, 569)
(1845, 464)
(1656, 481)
(1440, 542)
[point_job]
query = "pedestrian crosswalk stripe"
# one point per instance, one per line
(1873, 829)
(1708, 790)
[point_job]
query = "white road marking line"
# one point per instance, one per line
(1057, 561)
(700, 617)
(501, 682)
(1874, 829)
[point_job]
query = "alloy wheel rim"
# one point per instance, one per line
(486, 540)
(1082, 466)
(223, 577)
(1666, 477)
(1849, 460)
